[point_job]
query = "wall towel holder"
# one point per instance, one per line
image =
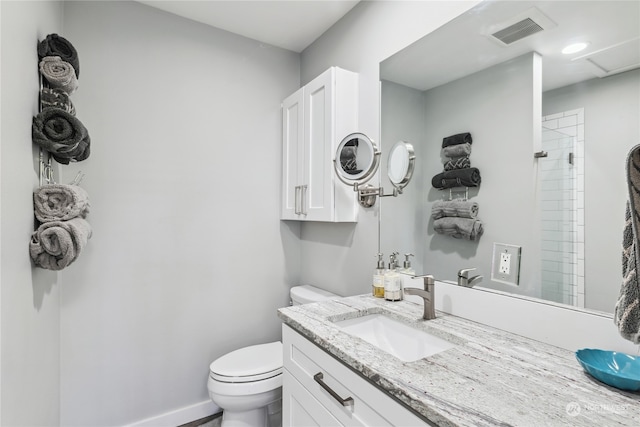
(458, 190)
(44, 157)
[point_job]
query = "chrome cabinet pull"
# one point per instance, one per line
(344, 402)
(304, 200)
(296, 200)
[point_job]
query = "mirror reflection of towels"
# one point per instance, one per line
(459, 228)
(457, 163)
(469, 177)
(461, 138)
(454, 208)
(348, 157)
(460, 150)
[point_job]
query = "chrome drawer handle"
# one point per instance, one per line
(344, 402)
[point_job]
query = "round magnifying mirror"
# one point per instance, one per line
(400, 164)
(357, 159)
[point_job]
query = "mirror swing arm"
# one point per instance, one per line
(368, 193)
(357, 160)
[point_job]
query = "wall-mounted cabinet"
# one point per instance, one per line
(314, 121)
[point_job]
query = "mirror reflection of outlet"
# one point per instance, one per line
(505, 260)
(505, 267)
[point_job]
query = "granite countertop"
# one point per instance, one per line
(489, 378)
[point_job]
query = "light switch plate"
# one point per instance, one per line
(505, 266)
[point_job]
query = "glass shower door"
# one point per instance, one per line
(558, 214)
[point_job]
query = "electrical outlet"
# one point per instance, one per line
(505, 261)
(505, 266)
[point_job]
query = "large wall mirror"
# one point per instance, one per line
(518, 95)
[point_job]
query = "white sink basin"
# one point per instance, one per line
(402, 341)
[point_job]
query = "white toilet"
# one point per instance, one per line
(248, 381)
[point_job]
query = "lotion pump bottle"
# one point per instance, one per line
(392, 281)
(378, 278)
(406, 267)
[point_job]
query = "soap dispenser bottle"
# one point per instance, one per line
(378, 278)
(406, 266)
(392, 281)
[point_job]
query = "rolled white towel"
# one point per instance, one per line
(460, 150)
(455, 208)
(56, 244)
(460, 228)
(60, 202)
(59, 74)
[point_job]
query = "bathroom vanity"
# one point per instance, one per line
(486, 377)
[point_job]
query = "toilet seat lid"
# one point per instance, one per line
(253, 363)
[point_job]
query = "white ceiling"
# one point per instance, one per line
(463, 47)
(291, 25)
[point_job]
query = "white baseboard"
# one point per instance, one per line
(179, 416)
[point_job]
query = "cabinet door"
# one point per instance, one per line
(370, 406)
(292, 156)
(300, 408)
(318, 127)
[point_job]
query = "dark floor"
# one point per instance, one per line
(210, 421)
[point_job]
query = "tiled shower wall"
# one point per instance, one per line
(562, 207)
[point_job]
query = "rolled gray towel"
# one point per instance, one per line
(59, 74)
(60, 202)
(62, 134)
(56, 244)
(56, 98)
(55, 45)
(469, 177)
(457, 163)
(454, 208)
(459, 228)
(461, 138)
(626, 315)
(460, 150)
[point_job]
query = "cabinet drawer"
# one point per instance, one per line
(301, 409)
(303, 360)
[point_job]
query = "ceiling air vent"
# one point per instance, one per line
(518, 31)
(524, 24)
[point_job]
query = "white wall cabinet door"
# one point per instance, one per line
(292, 155)
(315, 119)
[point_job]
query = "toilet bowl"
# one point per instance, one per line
(247, 383)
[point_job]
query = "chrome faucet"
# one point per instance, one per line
(427, 294)
(465, 280)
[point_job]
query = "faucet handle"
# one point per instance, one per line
(429, 280)
(464, 273)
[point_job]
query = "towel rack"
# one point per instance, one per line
(458, 190)
(46, 166)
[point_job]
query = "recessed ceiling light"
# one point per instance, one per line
(575, 48)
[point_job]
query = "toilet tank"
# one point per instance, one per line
(306, 294)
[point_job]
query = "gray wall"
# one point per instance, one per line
(611, 110)
(402, 112)
(341, 258)
(183, 266)
(30, 297)
(188, 258)
(497, 106)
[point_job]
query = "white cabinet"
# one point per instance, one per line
(307, 402)
(314, 121)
